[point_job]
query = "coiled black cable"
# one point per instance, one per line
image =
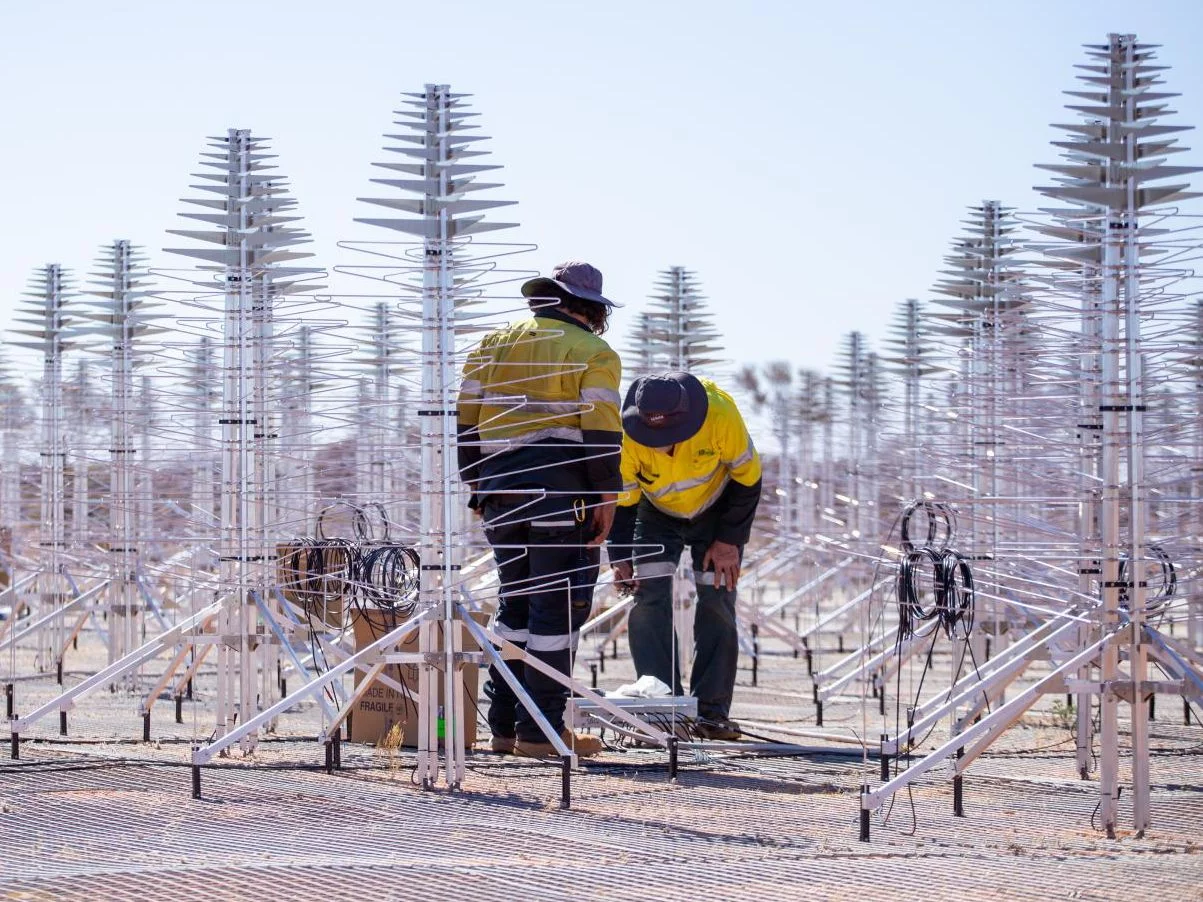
(949, 602)
(331, 577)
(937, 515)
(1157, 598)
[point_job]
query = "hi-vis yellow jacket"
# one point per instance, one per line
(717, 467)
(547, 387)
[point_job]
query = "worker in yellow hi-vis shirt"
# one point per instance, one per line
(539, 437)
(691, 477)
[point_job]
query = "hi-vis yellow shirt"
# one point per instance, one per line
(537, 379)
(693, 478)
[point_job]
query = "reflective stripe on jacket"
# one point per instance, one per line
(544, 379)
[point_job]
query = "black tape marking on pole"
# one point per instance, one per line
(958, 789)
(755, 653)
(566, 782)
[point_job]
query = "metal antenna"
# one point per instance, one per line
(14, 416)
(771, 389)
(853, 379)
(120, 315)
(436, 144)
(1078, 350)
(677, 333)
(298, 489)
(47, 325)
(201, 385)
(639, 357)
(911, 360)
(248, 219)
(983, 285)
(380, 456)
(82, 400)
(1075, 257)
(1115, 165)
(1194, 363)
(810, 413)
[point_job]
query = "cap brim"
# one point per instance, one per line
(542, 286)
(674, 434)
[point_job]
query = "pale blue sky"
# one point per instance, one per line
(810, 161)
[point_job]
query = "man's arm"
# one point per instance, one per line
(467, 409)
(741, 497)
(737, 512)
(622, 533)
(601, 425)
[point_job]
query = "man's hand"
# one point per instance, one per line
(624, 577)
(725, 559)
(603, 519)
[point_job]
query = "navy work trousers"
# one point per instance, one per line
(547, 580)
(659, 541)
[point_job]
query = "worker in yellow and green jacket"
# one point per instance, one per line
(691, 477)
(539, 439)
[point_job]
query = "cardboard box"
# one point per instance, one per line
(320, 596)
(381, 706)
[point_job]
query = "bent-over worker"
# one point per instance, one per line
(691, 477)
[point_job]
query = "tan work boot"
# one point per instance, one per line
(503, 745)
(721, 728)
(583, 744)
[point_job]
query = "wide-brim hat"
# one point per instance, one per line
(581, 280)
(664, 410)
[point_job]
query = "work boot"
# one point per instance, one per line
(503, 745)
(583, 744)
(722, 729)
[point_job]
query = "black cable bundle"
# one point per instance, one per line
(1157, 599)
(332, 567)
(948, 602)
(940, 520)
(329, 575)
(359, 520)
(389, 578)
